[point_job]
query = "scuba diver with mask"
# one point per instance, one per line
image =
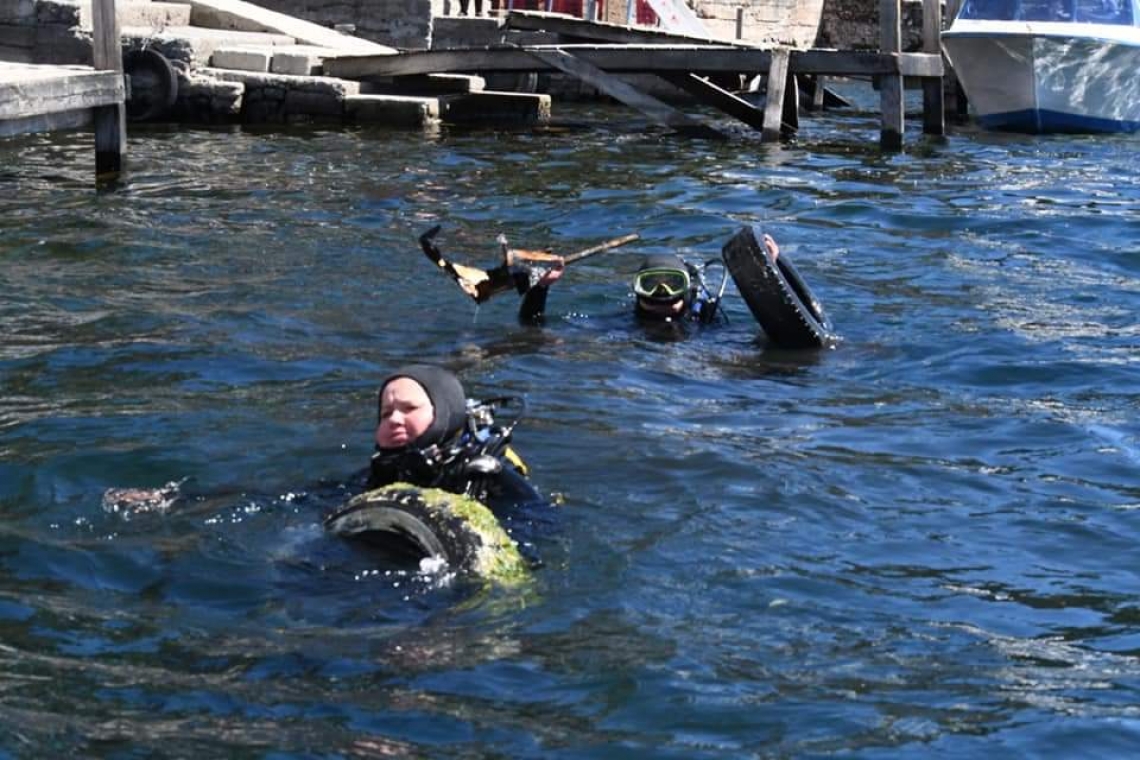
(429, 434)
(667, 288)
(443, 484)
(672, 293)
(444, 481)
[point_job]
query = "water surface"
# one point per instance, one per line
(920, 543)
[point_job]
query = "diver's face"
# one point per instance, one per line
(660, 308)
(406, 413)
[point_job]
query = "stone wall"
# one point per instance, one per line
(404, 24)
(771, 22)
(854, 25)
(845, 24)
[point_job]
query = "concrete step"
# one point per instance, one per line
(284, 98)
(298, 60)
(142, 13)
(404, 111)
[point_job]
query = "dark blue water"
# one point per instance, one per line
(919, 544)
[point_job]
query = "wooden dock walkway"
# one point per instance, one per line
(691, 64)
(39, 98)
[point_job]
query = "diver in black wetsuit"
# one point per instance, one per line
(667, 289)
(430, 435)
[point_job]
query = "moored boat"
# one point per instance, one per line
(1042, 66)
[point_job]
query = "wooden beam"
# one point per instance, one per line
(790, 114)
(624, 92)
(37, 89)
(920, 65)
(717, 97)
(110, 120)
(696, 59)
(48, 122)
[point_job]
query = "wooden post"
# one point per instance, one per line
(776, 92)
(891, 85)
(740, 23)
(951, 87)
(933, 102)
(790, 114)
(819, 93)
(110, 121)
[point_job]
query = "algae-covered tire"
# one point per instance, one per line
(431, 523)
(778, 297)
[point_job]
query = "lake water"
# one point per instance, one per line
(922, 543)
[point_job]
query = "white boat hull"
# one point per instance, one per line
(1042, 77)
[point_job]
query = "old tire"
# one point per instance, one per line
(428, 522)
(777, 295)
(153, 84)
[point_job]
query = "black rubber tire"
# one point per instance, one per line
(425, 523)
(154, 84)
(779, 298)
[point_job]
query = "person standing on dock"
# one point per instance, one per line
(465, 4)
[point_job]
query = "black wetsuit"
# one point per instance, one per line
(498, 483)
(701, 307)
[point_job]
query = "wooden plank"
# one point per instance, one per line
(634, 58)
(624, 92)
(110, 121)
(776, 88)
(920, 65)
(717, 97)
(46, 122)
(38, 90)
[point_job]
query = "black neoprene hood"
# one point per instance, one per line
(448, 399)
(662, 261)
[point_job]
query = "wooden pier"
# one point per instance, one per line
(599, 52)
(41, 98)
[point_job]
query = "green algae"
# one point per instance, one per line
(495, 555)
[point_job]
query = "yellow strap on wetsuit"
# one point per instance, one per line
(512, 456)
